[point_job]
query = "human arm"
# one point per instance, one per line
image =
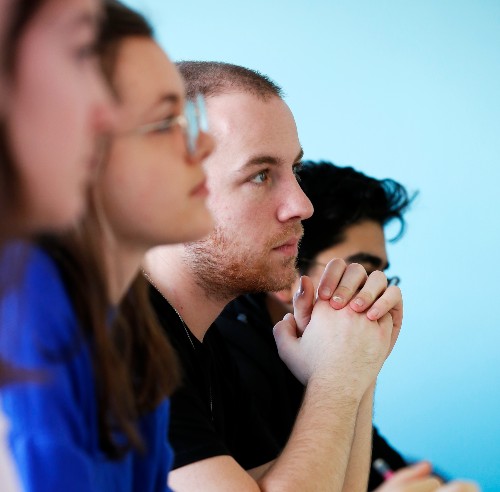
(346, 375)
(341, 283)
(300, 457)
(325, 422)
(358, 468)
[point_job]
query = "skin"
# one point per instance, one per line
(251, 175)
(255, 172)
(416, 478)
(365, 240)
(234, 178)
(52, 118)
(5, 7)
(151, 190)
(58, 105)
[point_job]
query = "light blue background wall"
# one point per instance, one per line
(408, 90)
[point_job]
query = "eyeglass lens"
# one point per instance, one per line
(196, 117)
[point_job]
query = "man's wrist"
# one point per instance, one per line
(334, 391)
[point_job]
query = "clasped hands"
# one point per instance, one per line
(352, 321)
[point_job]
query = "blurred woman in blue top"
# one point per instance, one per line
(93, 413)
(53, 104)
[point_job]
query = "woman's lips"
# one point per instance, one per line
(200, 190)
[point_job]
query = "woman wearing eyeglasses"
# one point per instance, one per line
(94, 415)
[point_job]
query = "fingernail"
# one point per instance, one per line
(338, 299)
(373, 313)
(359, 302)
(300, 290)
(326, 292)
(287, 316)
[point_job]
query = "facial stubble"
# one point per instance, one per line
(225, 268)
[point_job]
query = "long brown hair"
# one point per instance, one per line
(135, 366)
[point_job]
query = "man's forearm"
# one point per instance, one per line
(317, 454)
(358, 468)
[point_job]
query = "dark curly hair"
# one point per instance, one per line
(341, 197)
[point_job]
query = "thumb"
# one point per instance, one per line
(285, 335)
(303, 303)
(285, 332)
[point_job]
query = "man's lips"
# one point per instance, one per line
(289, 247)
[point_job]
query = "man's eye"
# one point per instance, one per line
(261, 177)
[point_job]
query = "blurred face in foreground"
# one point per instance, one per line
(58, 104)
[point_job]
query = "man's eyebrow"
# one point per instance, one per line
(261, 159)
(367, 258)
(269, 159)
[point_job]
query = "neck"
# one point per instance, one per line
(276, 308)
(122, 261)
(122, 256)
(122, 265)
(169, 273)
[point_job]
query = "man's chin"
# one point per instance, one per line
(283, 275)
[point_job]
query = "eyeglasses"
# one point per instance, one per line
(390, 280)
(193, 122)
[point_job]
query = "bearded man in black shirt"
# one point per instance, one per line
(350, 212)
(335, 345)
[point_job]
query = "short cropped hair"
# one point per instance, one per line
(341, 197)
(215, 78)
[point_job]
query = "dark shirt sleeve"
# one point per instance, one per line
(382, 449)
